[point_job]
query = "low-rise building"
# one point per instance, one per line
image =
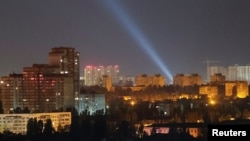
(187, 80)
(210, 91)
(237, 88)
(92, 103)
(17, 123)
(145, 80)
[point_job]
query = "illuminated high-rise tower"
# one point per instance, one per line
(239, 72)
(94, 75)
(44, 90)
(232, 73)
(66, 61)
(11, 92)
(44, 87)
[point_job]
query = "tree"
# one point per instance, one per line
(35, 127)
(30, 129)
(40, 127)
(1, 107)
(48, 128)
(26, 110)
(99, 127)
(18, 110)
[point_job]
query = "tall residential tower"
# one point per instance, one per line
(66, 61)
(44, 87)
(95, 75)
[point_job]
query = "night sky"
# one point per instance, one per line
(181, 33)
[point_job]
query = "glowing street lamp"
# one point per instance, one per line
(132, 103)
(212, 102)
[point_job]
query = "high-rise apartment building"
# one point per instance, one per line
(187, 80)
(218, 79)
(216, 69)
(37, 89)
(11, 92)
(238, 72)
(237, 88)
(44, 87)
(66, 61)
(128, 81)
(94, 75)
(232, 73)
(145, 80)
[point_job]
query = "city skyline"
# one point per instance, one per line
(181, 34)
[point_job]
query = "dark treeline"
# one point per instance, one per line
(84, 127)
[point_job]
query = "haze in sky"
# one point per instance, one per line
(181, 34)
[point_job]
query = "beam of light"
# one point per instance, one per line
(134, 31)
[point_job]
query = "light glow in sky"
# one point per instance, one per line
(120, 13)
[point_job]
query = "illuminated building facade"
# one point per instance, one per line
(37, 89)
(128, 81)
(107, 82)
(66, 61)
(11, 91)
(144, 80)
(94, 74)
(17, 123)
(44, 87)
(218, 79)
(216, 69)
(92, 103)
(232, 73)
(187, 80)
(210, 91)
(237, 88)
(234, 89)
(237, 72)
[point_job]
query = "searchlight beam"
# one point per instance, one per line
(137, 35)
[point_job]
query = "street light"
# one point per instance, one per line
(47, 106)
(132, 103)
(212, 102)
(58, 100)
